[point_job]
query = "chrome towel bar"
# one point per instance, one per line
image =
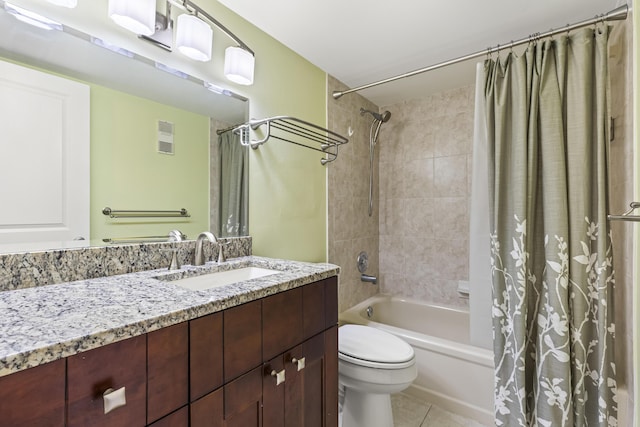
(627, 215)
(114, 213)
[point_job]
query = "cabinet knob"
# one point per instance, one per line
(279, 376)
(113, 399)
(300, 363)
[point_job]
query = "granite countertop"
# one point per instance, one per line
(46, 323)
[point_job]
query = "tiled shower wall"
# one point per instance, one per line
(351, 229)
(425, 187)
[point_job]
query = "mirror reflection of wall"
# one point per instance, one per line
(128, 99)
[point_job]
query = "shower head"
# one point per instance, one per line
(384, 117)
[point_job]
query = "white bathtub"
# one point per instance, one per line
(452, 374)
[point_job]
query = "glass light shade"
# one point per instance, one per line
(239, 65)
(194, 37)
(65, 3)
(138, 16)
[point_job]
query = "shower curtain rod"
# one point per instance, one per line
(617, 14)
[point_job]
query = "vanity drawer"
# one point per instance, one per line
(205, 343)
(281, 322)
(167, 370)
(33, 397)
(114, 366)
(242, 339)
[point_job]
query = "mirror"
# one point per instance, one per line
(80, 56)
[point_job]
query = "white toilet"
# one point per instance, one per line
(372, 364)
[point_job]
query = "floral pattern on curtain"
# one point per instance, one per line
(547, 128)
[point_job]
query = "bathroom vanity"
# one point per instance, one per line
(261, 352)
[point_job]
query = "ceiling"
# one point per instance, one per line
(362, 41)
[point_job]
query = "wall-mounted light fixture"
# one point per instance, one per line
(138, 16)
(194, 37)
(238, 65)
(194, 33)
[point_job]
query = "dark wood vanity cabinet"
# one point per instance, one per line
(269, 362)
(113, 367)
(303, 396)
(34, 397)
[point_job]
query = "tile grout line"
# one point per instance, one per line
(424, 420)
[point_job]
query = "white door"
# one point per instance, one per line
(44, 157)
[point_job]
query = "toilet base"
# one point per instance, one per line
(366, 409)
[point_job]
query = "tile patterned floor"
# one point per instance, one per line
(410, 412)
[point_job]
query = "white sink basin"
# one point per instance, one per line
(221, 278)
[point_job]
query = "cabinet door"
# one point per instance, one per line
(205, 354)
(179, 418)
(273, 392)
(300, 400)
(208, 411)
(242, 339)
(167, 370)
(114, 366)
(331, 376)
(243, 400)
(33, 397)
(237, 404)
(311, 393)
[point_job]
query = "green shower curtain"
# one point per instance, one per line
(233, 167)
(547, 128)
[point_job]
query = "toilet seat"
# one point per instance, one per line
(371, 347)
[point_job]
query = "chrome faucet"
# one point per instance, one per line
(176, 236)
(199, 257)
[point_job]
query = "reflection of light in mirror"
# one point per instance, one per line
(112, 47)
(32, 18)
(170, 70)
(218, 89)
(65, 3)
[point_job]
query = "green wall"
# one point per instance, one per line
(287, 184)
(127, 172)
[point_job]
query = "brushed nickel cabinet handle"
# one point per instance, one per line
(279, 376)
(114, 399)
(300, 363)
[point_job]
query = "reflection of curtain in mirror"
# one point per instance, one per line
(234, 186)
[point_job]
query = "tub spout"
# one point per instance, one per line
(369, 279)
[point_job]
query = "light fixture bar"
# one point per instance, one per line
(218, 24)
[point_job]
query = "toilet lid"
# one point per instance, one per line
(373, 345)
